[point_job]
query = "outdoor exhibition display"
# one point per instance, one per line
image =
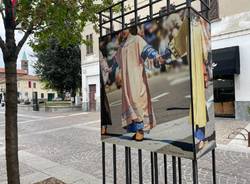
(156, 76)
(147, 101)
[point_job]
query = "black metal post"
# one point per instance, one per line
(140, 166)
(122, 14)
(174, 170)
(168, 6)
(165, 169)
(100, 24)
(195, 172)
(114, 164)
(126, 165)
(179, 170)
(111, 19)
(188, 2)
(130, 165)
(156, 168)
(136, 13)
(150, 9)
(152, 168)
(103, 164)
(214, 166)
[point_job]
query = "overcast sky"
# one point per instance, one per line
(25, 48)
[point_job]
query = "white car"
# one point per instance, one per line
(2, 102)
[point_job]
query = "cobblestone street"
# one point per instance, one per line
(67, 146)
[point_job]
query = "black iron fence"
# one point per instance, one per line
(177, 171)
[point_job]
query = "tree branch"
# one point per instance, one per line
(23, 40)
(1, 11)
(2, 44)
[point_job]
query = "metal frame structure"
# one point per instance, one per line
(107, 18)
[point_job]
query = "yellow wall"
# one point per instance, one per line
(23, 88)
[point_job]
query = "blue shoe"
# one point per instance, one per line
(134, 127)
(199, 134)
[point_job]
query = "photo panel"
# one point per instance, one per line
(202, 82)
(146, 87)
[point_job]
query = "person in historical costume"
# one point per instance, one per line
(105, 109)
(111, 49)
(199, 58)
(137, 111)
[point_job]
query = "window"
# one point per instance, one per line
(214, 10)
(89, 46)
(42, 95)
(34, 85)
(29, 84)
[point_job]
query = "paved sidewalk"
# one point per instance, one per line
(68, 148)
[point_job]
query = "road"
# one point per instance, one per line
(167, 90)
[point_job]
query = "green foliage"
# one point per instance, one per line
(61, 19)
(60, 67)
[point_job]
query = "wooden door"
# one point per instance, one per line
(92, 100)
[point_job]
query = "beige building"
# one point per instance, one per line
(28, 84)
(232, 7)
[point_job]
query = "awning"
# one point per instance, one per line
(227, 61)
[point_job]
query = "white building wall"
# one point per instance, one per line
(90, 68)
(242, 84)
(90, 75)
(235, 31)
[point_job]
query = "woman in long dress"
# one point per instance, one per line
(137, 111)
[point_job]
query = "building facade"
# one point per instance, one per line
(230, 28)
(27, 84)
(90, 71)
(230, 44)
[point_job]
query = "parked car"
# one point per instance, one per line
(2, 99)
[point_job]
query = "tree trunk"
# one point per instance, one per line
(73, 95)
(11, 130)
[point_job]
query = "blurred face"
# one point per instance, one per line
(125, 34)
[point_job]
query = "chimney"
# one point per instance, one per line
(25, 63)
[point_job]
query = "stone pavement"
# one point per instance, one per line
(67, 147)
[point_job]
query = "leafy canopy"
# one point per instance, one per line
(60, 67)
(61, 19)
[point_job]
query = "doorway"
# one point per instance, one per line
(224, 96)
(92, 100)
(51, 96)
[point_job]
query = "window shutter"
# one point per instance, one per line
(214, 10)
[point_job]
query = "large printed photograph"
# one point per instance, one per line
(202, 84)
(146, 86)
